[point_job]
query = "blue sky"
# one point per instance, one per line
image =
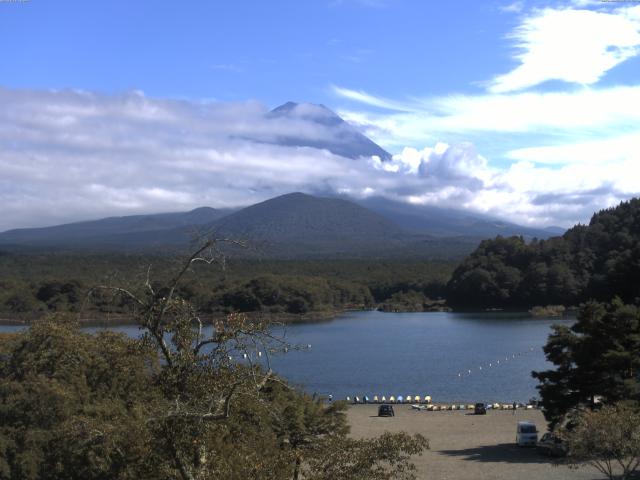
(525, 110)
(271, 51)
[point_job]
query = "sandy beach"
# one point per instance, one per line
(466, 446)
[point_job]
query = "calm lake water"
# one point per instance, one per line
(375, 353)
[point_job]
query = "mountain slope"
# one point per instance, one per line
(297, 223)
(334, 134)
(109, 230)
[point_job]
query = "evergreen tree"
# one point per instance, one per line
(598, 261)
(597, 359)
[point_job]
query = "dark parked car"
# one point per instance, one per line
(386, 411)
(551, 445)
(480, 409)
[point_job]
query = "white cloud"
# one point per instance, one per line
(567, 154)
(70, 155)
(527, 193)
(595, 113)
(374, 101)
(607, 151)
(571, 45)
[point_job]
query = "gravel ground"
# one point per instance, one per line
(466, 446)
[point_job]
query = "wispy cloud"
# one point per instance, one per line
(368, 99)
(595, 113)
(514, 7)
(572, 45)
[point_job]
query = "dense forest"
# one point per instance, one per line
(33, 285)
(81, 406)
(596, 261)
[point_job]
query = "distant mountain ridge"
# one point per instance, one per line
(292, 225)
(100, 231)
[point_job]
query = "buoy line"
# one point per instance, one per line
(513, 356)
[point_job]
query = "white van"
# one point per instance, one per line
(526, 434)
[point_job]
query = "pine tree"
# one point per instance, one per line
(597, 360)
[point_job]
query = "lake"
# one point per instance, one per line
(454, 357)
(375, 353)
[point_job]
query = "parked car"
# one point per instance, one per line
(552, 445)
(386, 411)
(480, 409)
(526, 434)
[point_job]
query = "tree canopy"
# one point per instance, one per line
(32, 286)
(174, 403)
(597, 360)
(607, 439)
(598, 261)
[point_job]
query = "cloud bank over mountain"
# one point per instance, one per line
(71, 155)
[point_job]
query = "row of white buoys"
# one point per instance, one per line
(469, 371)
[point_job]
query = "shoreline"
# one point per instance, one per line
(105, 320)
(120, 319)
(464, 446)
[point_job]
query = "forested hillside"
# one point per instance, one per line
(596, 261)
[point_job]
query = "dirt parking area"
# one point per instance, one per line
(466, 446)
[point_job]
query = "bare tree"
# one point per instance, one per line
(208, 372)
(205, 368)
